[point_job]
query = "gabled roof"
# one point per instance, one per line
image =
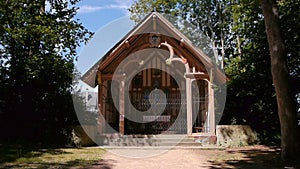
(90, 76)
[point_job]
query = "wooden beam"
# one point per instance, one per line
(197, 76)
(135, 45)
(192, 59)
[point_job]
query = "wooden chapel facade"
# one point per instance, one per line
(172, 64)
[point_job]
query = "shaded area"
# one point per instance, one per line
(31, 156)
(103, 164)
(12, 152)
(71, 164)
(252, 157)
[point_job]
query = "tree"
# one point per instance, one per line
(290, 135)
(208, 18)
(38, 41)
(250, 94)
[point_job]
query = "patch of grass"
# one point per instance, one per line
(14, 157)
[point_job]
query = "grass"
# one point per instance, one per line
(17, 157)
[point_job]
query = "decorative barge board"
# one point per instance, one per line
(171, 64)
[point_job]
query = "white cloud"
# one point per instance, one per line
(125, 3)
(122, 5)
(89, 9)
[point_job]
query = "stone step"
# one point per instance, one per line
(153, 143)
(153, 140)
(206, 147)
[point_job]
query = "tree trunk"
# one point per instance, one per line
(290, 141)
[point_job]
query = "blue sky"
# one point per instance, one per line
(96, 13)
(109, 19)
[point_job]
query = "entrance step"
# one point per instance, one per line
(162, 140)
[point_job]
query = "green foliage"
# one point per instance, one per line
(207, 23)
(251, 96)
(289, 12)
(37, 53)
(250, 92)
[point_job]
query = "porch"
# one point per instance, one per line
(160, 108)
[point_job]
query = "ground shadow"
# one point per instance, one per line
(103, 164)
(17, 156)
(79, 164)
(251, 159)
(12, 152)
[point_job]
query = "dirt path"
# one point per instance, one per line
(252, 157)
(175, 159)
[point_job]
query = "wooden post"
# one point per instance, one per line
(100, 110)
(189, 105)
(103, 104)
(122, 106)
(211, 109)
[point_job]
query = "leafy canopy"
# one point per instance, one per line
(38, 41)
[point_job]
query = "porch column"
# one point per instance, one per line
(189, 105)
(101, 119)
(211, 108)
(122, 106)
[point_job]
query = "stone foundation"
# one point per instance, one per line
(235, 135)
